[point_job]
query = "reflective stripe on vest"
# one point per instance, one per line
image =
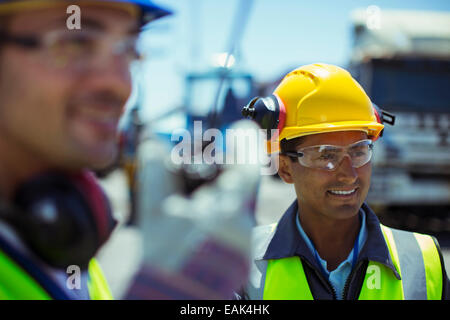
(414, 255)
(97, 285)
(16, 284)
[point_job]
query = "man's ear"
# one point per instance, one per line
(285, 169)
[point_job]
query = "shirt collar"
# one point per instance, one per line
(362, 236)
(288, 242)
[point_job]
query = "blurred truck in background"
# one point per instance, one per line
(402, 60)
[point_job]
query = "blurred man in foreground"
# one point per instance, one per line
(62, 92)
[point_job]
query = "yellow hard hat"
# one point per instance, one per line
(320, 98)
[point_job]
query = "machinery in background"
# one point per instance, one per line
(237, 89)
(403, 63)
(234, 91)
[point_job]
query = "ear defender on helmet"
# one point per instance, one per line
(382, 118)
(63, 218)
(269, 112)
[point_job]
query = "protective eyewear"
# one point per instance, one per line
(329, 157)
(75, 49)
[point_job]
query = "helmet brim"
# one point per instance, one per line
(372, 129)
(150, 11)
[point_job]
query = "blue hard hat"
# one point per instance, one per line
(150, 10)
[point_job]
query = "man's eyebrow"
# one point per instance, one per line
(96, 25)
(92, 24)
(57, 23)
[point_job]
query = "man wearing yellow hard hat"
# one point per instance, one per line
(329, 244)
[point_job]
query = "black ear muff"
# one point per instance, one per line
(57, 220)
(268, 112)
(98, 202)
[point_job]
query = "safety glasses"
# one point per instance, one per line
(328, 157)
(74, 50)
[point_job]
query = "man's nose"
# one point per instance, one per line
(112, 72)
(346, 173)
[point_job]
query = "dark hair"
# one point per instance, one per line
(290, 146)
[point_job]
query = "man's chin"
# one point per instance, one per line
(99, 166)
(345, 211)
(99, 158)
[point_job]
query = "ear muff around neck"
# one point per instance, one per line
(98, 202)
(55, 215)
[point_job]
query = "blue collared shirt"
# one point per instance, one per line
(338, 276)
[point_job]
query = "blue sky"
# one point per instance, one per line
(279, 35)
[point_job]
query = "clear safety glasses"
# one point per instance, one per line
(328, 157)
(73, 50)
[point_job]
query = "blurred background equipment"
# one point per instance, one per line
(404, 66)
(183, 231)
(235, 88)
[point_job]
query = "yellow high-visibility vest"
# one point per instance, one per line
(17, 284)
(415, 256)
